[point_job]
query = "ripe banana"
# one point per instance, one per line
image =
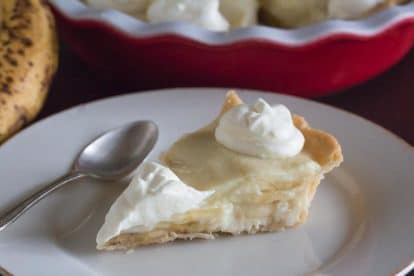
(28, 61)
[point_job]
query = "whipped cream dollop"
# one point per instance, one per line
(204, 13)
(348, 9)
(260, 130)
(154, 195)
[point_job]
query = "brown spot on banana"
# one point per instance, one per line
(28, 61)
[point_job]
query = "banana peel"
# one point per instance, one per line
(28, 61)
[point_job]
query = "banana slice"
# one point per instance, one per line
(28, 60)
(135, 8)
(352, 9)
(297, 13)
(241, 13)
(294, 13)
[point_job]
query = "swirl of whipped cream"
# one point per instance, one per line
(260, 130)
(204, 13)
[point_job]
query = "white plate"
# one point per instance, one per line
(361, 221)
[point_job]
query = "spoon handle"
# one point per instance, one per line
(19, 209)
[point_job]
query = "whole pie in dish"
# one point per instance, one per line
(255, 168)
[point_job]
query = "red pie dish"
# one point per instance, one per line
(311, 61)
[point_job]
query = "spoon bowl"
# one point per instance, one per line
(118, 152)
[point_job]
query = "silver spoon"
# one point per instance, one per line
(112, 156)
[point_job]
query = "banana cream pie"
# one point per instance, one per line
(253, 169)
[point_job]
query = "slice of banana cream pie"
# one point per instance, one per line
(255, 168)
